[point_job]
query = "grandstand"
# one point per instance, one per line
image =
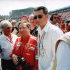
(16, 14)
(64, 12)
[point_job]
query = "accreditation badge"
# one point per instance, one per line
(42, 52)
(18, 44)
(27, 45)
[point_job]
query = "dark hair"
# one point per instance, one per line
(45, 11)
(51, 18)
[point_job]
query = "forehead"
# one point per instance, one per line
(55, 15)
(22, 25)
(7, 25)
(38, 12)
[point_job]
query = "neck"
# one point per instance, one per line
(8, 35)
(42, 26)
(25, 37)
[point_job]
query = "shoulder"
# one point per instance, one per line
(18, 39)
(33, 38)
(2, 37)
(56, 30)
(64, 38)
(14, 35)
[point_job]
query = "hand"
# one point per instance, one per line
(15, 59)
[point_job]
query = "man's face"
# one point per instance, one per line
(23, 29)
(55, 19)
(7, 29)
(39, 17)
(31, 20)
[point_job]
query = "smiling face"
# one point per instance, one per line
(24, 30)
(7, 29)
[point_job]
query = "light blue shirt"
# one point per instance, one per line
(6, 46)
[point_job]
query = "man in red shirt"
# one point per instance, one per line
(25, 47)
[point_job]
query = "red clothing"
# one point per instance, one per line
(63, 27)
(27, 49)
(68, 28)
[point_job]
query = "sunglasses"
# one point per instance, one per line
(55, 17)
(38, 16)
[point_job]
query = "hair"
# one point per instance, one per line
(24, 16)
(45, 11)
(13, 22)
(26, 23)
(4, 22)
(51, 18)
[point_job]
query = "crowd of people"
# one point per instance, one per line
(35, 42)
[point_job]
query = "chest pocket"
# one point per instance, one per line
(29, 53)
(29, 48)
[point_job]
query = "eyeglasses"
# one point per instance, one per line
(55, 17)
(38, 16)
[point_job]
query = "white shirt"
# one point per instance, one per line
(52, 33)
(63, 56)
(6, 46)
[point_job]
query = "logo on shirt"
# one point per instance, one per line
(27, 45)
(19, 44)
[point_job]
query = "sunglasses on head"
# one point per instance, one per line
(38, 16)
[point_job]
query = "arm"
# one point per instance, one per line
(16, 49)
(63, 56)
(36, 56)
(36, 59)
(15, 53)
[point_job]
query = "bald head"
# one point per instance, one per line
(5, 23)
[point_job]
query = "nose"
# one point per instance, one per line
(37, 19)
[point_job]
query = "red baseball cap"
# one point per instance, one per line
(24, 16)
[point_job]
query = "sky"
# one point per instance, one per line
(7, 6)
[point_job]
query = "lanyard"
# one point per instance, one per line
(41, 38)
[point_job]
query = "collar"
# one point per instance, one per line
(45, 29)
(7, 38)
(25, 39)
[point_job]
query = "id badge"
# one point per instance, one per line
(42, 52)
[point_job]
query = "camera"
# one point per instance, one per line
(21, 61)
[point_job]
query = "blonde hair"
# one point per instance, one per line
(25, 23)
